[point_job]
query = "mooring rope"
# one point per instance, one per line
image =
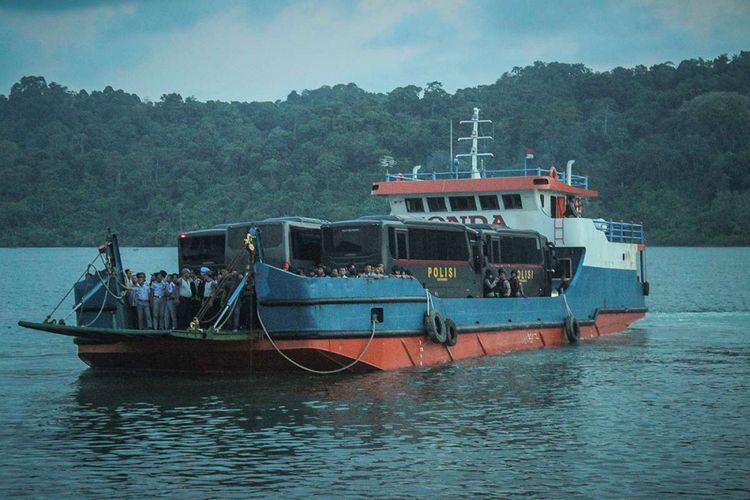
(311, 370)
(54, 309)
(565, 298)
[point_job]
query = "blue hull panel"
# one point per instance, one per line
(292, 306)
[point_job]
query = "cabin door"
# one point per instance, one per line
(557, 207)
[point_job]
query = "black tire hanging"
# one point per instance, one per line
(451, 333)
(434, 326)
(572, 329)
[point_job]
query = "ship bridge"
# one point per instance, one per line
(516, 198)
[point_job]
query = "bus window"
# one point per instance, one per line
(196, 251)
(397, 243)
(495, 251)
(352, 241)
(305, 244)
(401, 242)
(271, 235)
(236, 241)
(520, 250)
(430, 244)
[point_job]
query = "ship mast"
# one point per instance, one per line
(475, 138)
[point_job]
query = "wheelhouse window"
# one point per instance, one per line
(520, 250)
(414, 205)
(489, 202)
(512, 201)
(462, 203)
(436, 204)
(431, 244)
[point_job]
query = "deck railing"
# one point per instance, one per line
(580, 181)
(621, 232)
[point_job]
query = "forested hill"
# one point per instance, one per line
(667, 145)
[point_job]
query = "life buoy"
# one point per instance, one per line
(553, 172)
(572, 329)
(435, 327)
(451, 333)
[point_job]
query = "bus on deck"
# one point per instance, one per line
(287, 241)
(449, 259)
(438, 254)
(526, 252)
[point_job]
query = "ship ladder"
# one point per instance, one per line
(559, 230)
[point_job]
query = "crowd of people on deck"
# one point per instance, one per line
(351, 271)
(500, 286)
(170, 301)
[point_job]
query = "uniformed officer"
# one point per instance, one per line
(158, 297)
(516, 287)
(187, 292)
(142, 294)
(503, 286)
(489, 284)
(172, 298)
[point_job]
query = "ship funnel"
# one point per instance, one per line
(569, 172)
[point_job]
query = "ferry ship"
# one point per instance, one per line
(580, 278)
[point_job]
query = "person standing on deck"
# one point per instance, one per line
(489, 284)
(516, 287)
(503, 286)
(172, 298)
(187, 292)
(158, 298)
(141, 292)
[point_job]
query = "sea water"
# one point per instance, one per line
(660, 410)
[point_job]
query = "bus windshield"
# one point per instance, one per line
(202, 250)
(352, 241)
(305, 244)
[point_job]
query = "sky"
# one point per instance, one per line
(250, 50)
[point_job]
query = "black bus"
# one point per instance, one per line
(438, 254)
(526, 252)
(287, 241)
(448, 258)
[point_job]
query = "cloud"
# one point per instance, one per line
(305, 45)
(700, 17)
(260, 50)
(55, 30)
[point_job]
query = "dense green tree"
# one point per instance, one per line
(668, 145)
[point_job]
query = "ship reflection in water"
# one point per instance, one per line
(329, 435)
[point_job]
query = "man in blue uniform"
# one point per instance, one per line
(158, 297)
(143, 306)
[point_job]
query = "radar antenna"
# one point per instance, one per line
(475, 138)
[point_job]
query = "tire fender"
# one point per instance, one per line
(435, 327)
(572, 329)
(451, 333)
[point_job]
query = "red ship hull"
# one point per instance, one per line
(391, 353)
